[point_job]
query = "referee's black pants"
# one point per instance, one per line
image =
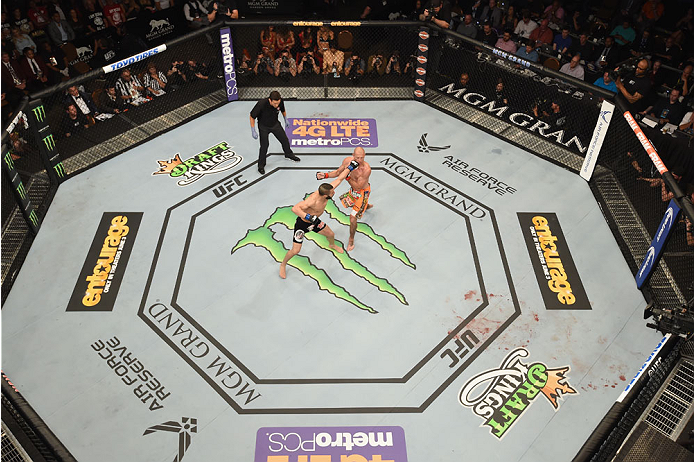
(265, 141)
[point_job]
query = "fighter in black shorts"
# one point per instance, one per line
(302, 227)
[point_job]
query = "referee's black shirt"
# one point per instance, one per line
(266, 114)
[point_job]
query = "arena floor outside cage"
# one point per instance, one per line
(199, 351)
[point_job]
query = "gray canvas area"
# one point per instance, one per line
(311, 358)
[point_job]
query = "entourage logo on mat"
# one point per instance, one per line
(327, 444)
(264, 237)
(507, 392)
(554, 267)
(184, 429)
(216, 159)
(103, 269)
(423, 146)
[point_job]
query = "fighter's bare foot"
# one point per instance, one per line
(350, 245)
(283, 272)
(337, 248)
(368, 206)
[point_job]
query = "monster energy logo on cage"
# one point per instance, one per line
(263, 237)
(21, 190)
(49, 142)
(9, 161)
(34, 218)
(59, 169)
(39, 113)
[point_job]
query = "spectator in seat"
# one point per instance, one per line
(76, 23)
(573, 68)
(114, 13)
(623, 34)
(554, 13)
(264, 63)
(222, 10)
(543, 34)
(109, 102)
(606, 82)
(510, 20)
(22, 40)
(268, 41)
(96, 21)
(38, 15)
(488, 36)
(73, 122)
(651, 13)
(635, 87)
(82, 102)
(176, 76)
(467, 27)
(554, 117)
(163, 4)
(464, 80)
(129, 88)
(198, 71)
(643, 44)
(355, 68)
(306, 42)
(609, 55)
(505, 43)
(668, 52)
(687, 123)
(500, 97)
(667, 110)
(583, 48)
(13, 81)
(34, 69)
(493, 14)
(60, 31)
(334, 60)
(285, 66)
(528, 52)
(196, 14)
(308, 65)
(657, 74)
(285, 39)
(20, 21)
(148, 6)
(684, 82)
(154, 81)
(525, 26)
(104, 52)
(438, 12)
(132, 9)
(55, 61)
(562, 42)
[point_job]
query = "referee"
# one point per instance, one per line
(266, 112)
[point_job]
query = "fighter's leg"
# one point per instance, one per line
(296, 247)
(352, 231)
(327, 232)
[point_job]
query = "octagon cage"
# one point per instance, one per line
(371, 60)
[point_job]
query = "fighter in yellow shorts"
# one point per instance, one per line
(360, 190)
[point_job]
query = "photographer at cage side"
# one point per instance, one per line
(264, 64)
(333, 60)
(376, 65)
(355, 68)
(394, 63)
(554, 117)
(308, 65)
(438, 12)
(285, 66)
(634, 87)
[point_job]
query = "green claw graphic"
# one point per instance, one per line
(264, 237)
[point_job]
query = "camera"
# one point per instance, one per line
(625, 69)
(677, 321)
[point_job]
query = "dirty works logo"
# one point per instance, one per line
(511, 389)
(216, 159)
(423, 146)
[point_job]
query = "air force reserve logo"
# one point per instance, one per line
(424, 146)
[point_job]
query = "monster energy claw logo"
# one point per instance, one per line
(34, 218)
(39, 113)
(9, 161)
(263, 237)
(21, 190)
(49, 142)
(59, 169)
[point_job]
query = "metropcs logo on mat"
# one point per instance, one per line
(264, 237)
(216, 159)
(330, 444)
(332, 133)
(510, 390)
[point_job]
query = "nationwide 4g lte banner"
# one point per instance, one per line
(332, 133)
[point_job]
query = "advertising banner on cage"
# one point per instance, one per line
(596, 141)
(265, 7)
(655, 251)
(332, 133)
(228, 64)
(421, 69)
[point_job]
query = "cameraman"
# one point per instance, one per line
(634, 87)
(307, 64)
(355, 68)
(394, 63)
(285, 66)
(263, 64)
(376, 65)
(438, 12)
(555, 118)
